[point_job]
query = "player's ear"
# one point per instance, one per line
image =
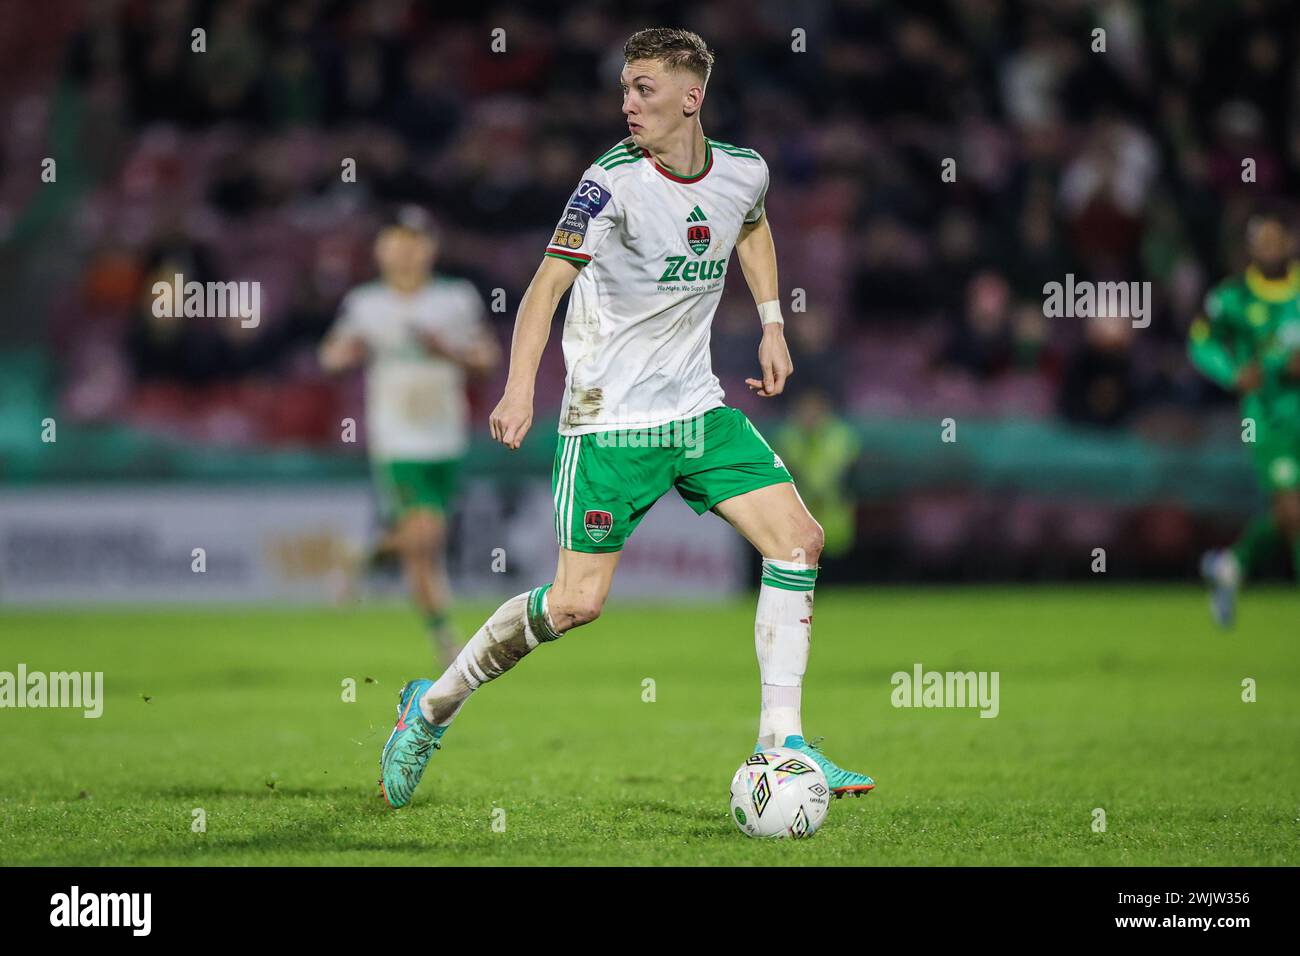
(692, 99)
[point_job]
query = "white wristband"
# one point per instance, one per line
(769, 312)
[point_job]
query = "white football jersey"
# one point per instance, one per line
(654, 248)
(416, 408)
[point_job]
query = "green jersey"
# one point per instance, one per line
(1251, 318)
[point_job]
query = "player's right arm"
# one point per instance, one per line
(1211, 345)
(343, 348)
(513, 415)
(590, 216)
(341, 352)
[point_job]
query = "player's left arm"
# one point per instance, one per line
(757, 253)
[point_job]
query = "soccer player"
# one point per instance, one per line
(1248, 341)
(645, 242)
(418, 334)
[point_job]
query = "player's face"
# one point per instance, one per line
(1271, 244)
(404, 256)
(657, 101)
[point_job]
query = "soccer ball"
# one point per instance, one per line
(779, 793)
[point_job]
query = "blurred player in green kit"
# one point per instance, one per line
(1248, 341)
(419, 335)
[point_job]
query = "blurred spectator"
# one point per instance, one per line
(984, 343)
(820, 449)
(274, 154)
(1100, 386)
(1104, 191)
(819, 358)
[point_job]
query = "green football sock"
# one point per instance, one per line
(1261, 536)
(1295, 559)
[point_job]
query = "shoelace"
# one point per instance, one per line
(812, 745)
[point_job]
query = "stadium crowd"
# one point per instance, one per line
(923, 290)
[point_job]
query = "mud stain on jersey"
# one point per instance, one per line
(586, 405)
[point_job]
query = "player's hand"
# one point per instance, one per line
(434, 345)
(338, 354)
(774, 360)
(511, 419)
(476, 357)
(1249, 378)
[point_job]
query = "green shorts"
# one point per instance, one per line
(605, 482)
(1276, 453)
(403, 485)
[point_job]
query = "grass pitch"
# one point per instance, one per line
(1121, 699)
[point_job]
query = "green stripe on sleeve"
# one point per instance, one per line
(622, 162)
(735, 150)
(574, 259)
(622, 159)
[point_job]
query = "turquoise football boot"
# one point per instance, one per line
(409, 746)
(841, 781)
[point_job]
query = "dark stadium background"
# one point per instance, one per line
(923, 297)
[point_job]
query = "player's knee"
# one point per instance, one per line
(567, 612)
(807, 541)
(583, 612)
(421, 533)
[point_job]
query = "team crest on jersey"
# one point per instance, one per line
(598, 524)
(698, 235)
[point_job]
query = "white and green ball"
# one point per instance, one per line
(779, 793)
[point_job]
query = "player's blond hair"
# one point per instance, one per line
(675, 48)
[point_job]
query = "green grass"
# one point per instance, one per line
(1124, 699)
